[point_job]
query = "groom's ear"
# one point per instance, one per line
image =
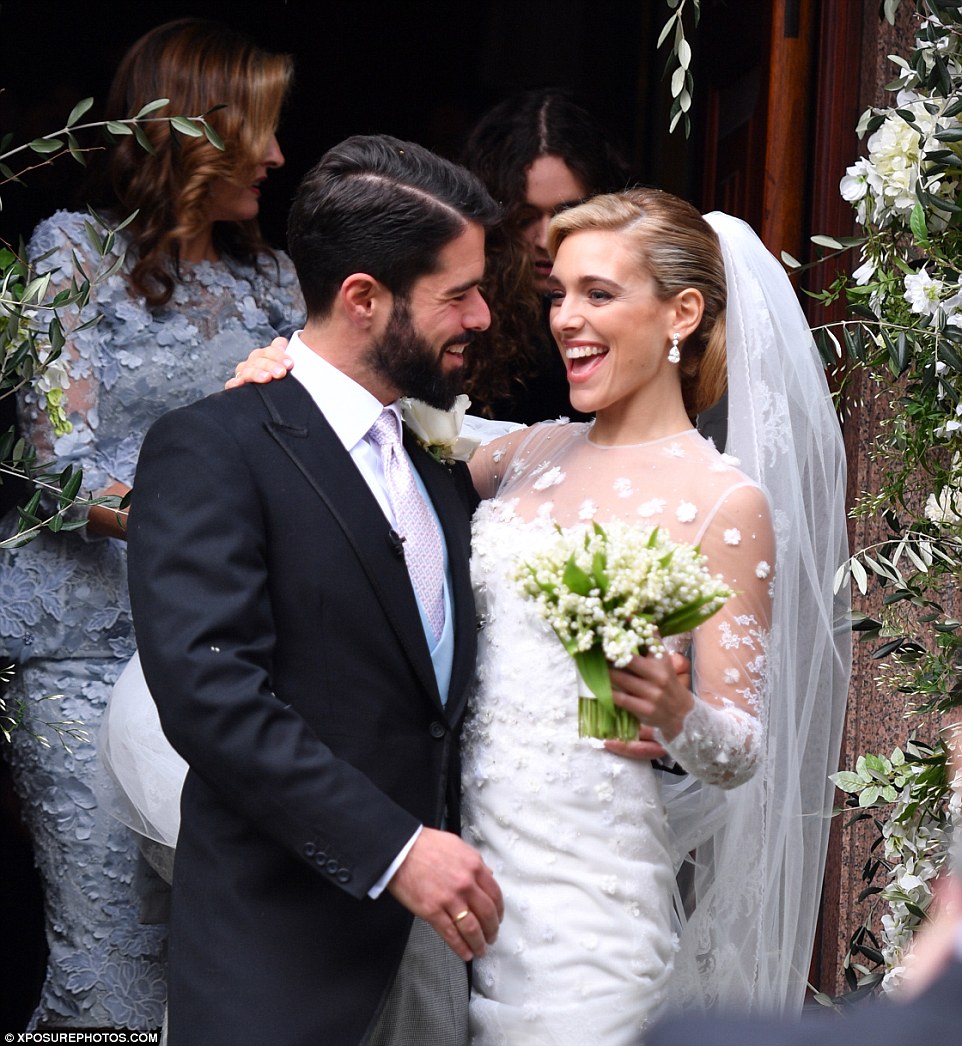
(365, 301)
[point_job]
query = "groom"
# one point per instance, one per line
(304, 617)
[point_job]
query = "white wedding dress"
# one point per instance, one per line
(576, 836)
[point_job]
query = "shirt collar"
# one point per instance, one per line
(348, 407)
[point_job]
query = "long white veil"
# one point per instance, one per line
(757, 877)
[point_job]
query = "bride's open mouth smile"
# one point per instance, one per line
(583, 359)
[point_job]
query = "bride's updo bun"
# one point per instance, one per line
(677, 248)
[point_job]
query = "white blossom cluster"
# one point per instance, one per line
(620, 588)
(945, 509)
(916, 846)
(882, 186)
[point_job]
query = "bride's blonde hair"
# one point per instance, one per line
(674, 244)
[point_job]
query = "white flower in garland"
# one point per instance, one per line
(945, 508)
(854, 188)
(954, 424)
(952, 306)
(864, 273)
(923, 294)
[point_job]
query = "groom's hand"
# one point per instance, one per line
(446, 883)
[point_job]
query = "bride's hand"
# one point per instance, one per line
(263, 365)
(656, 690)
(646, 747)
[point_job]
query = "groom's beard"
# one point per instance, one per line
(407, 360)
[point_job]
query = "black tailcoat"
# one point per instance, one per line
(281, 638)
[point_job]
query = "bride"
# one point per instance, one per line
(594, 938)
(587, 847)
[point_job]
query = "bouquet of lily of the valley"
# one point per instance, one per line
(612, 593)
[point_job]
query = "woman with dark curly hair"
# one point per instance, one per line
(195, 284)
(537, 153)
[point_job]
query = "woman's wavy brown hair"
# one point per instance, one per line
(197, 64)
(501, 148)
(678, 249)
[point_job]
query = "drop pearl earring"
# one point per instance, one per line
(674, 353)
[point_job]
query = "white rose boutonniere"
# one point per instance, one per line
(439, 431)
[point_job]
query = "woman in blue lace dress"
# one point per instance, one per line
(197, 286)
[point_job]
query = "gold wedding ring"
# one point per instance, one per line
(462, 915)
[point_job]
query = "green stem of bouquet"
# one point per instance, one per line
(600, 716)
(594, 720)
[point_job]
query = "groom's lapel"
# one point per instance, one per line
(305, 435)
(455, 521)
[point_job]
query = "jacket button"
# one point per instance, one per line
(437, 730)
(343, 875)
(309, 850)
(332, 866)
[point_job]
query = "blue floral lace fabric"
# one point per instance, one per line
(64, 611)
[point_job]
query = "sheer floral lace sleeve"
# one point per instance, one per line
(722, 736)
(491, 461)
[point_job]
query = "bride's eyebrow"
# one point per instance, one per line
(590, 279)
(584, 280)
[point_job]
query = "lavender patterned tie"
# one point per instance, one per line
(423, 551)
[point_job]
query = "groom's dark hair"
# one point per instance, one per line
(379, 205)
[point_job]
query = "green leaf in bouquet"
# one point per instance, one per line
(917, 224)
(57, 339)
(598, 565)
(577, 579)
(685, 618)
(594, 671)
